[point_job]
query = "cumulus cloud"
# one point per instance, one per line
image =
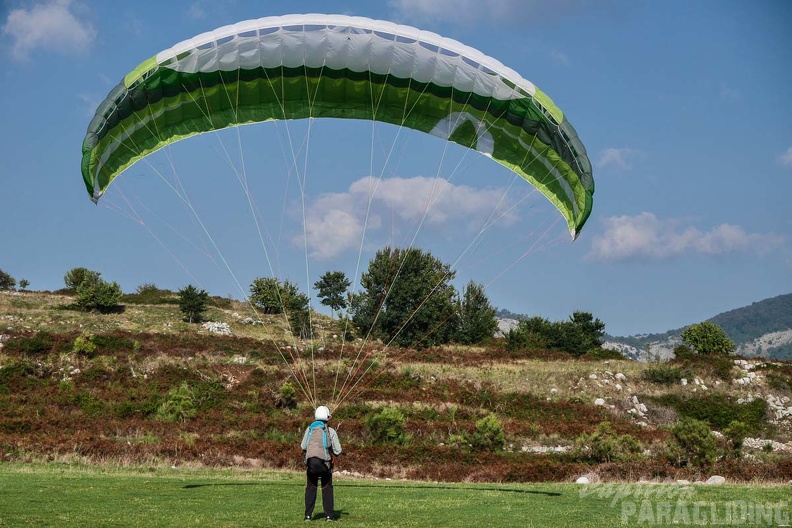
(616, 158)
(335, 222)
(48, 26)
(786, 158)
(491, 11)
(646, 236)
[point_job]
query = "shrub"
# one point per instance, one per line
(692, 444)
(24, 283)
(148, 293)
(97, 294)
(488, 436)
(664, 374)
(84, 344)
(76, 276)
(7, 282)
(387, 427)
(523, 339)
(286, 396)
(718, 410)
(735, 435)
(604, 445)
(601, 354)
(708, 339)
(36, 344)
(179, 405)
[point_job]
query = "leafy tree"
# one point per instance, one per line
(24, 283)
(708, 339)
(406, 299)
(192, 303)
(579, 335)
(692, 443)
(7, 282)
(476, 321)
(332, 288)
(76, 276)
(94, 293)
(274, 297)
(591, 330)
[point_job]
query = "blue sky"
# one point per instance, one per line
(684, 108)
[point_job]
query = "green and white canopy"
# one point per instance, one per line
(335, 66)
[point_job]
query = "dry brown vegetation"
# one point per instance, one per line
(106, 405)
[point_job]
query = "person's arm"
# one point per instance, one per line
(304, 443)
(334, 443)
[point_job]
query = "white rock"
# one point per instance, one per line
(592, 376)
(683, 482)
(683, 381)
(582, 480)
(618, 387)
(621, 377)
(642, 408)
(599, 401)
(716, 479)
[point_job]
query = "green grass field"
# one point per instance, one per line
(58, 495)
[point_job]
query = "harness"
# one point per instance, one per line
(318, 424)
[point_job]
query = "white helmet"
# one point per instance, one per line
(322, 413)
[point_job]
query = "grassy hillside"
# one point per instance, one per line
(156, 390)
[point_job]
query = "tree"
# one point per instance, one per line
(7, 282)
(332, 288)
(406, 299)
(24, 283)
(76, 276)
(274, 297)
(476, 320)
(708, 339)
(269, 295)
(192, 303)
(94, 293)
(579, 335)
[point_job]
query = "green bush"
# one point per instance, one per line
(604, 445)
(148, 293)
(179, 405)
(718, 410)
(84, 344)
(692, 444)
(735, 434)
(94, 293)
(387, 427)
(488, 436)
(286, 396)
(665, 374)
(39, 343)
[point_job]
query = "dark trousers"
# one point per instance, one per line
(318, 470)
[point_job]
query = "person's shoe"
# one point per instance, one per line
(329, 519)
(307, 518)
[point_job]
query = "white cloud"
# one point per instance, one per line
(786, 158)
(491, 11)
(49, 26)
(617, 158)
(196, 11)
(646, 236)
(559, 57)
(335, 222)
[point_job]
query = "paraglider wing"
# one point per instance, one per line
(310, 66)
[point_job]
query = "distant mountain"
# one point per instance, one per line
(763, 329)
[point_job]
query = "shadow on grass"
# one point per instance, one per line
(385, 486)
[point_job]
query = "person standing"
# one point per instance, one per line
(320, 445)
